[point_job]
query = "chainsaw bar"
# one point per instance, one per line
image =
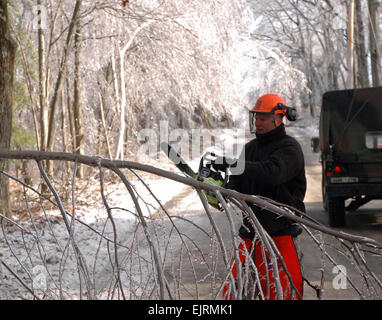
(177, 159)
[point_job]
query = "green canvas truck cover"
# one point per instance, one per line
(351, 121)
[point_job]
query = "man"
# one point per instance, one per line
(274, 168)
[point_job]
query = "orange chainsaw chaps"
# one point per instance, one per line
(262, 261)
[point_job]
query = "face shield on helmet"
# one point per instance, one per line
(271, 104)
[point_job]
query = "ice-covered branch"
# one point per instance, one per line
(162, 254)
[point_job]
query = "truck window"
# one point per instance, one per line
(373, 140)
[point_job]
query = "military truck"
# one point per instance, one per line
(350, 142)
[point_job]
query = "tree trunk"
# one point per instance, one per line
(42, 88)
(71, 116)
(116, 76)
(7, 61)
(362, 80)
(63, 121)
(121, 139)
(64, 125)
(350, 54)
(331, 64)
(122, 131)
(374, 40)
(77, 103)
(102, 107)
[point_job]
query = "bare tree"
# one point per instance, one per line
(77, 101)
(7, 61)
(42, 85)
(121, 85)
(374, 7)
(350, 45)
(362, 73)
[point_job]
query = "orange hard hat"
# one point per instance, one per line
(270, 104)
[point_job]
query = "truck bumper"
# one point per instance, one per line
(347, 190)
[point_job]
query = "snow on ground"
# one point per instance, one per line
(39, 247)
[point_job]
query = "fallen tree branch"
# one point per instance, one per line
(150, 267)
(111, 164)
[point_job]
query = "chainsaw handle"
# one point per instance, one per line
(226, 175)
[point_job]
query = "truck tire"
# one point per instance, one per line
(325, 199)
(336, 210)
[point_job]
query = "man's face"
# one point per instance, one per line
(265, 123)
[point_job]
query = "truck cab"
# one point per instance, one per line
(350, 142)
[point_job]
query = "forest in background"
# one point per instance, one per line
(89, 75)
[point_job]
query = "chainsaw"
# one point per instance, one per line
(205, 174)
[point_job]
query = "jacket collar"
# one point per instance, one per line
(275, 134)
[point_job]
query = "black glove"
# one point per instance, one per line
(220, 163)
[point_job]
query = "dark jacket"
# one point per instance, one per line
(274, 168)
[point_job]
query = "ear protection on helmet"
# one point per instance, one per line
(289, 112)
